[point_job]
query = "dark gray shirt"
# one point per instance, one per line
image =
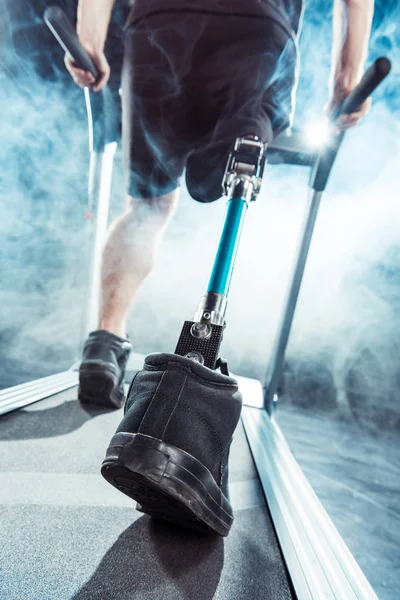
(288, 13)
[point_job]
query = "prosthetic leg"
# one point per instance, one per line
(200, 339)
(171, 450)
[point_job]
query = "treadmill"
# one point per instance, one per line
(70, 535)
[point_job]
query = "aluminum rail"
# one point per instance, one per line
(24, 394)
(102, 112)
(18, 396)
(320, 564)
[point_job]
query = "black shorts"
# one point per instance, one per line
(191, 84)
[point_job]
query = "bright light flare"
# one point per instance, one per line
(318, 133)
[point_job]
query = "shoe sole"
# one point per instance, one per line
(99, 385)
(167, 483)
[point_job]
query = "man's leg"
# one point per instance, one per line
(128, 256)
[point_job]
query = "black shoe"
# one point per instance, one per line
(170, 452)
(102, 370)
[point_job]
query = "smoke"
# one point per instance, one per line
(346, 319)
(343, 347)
(43, 156)
(44, 163)
(342, 352)
(349, 298)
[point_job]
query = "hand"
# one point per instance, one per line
(85, 78)
(346, 121)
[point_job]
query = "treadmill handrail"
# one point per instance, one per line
(101, 106)
(319, 179)
(372, 77)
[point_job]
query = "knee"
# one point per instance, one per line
(205, 172)
(150, 208)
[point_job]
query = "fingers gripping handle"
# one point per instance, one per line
(102, 109)
(369, 82)
(65, 33)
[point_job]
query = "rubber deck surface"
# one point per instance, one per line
(67, 534)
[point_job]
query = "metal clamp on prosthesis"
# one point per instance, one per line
(245, 168)
(200, 340)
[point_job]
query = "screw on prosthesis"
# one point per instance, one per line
(245, 168)
(201, 331)
(196, 356)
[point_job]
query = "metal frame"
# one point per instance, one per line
(319, 562)
(275, 369)
(322, 164)
(25, 394)
(102, 126)
(100, 176)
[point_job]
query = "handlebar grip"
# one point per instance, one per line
(369, 82)
(65, 33)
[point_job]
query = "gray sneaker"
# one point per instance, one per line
(102, 370)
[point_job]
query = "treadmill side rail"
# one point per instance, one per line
(22, 395)
(320, 564)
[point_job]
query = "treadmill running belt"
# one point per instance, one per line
(67, 534)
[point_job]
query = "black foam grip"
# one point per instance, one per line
(369, 82)
(64, 31)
